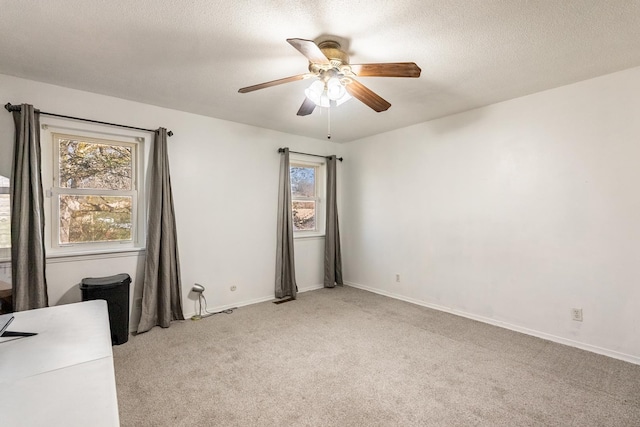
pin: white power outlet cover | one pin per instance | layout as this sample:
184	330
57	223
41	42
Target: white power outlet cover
576	314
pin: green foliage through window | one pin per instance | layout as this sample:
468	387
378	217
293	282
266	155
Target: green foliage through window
86	219
90	165
303	193
5	214
95	190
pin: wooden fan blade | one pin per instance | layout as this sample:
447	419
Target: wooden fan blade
391	69
310	50
367	96
307	107
274	83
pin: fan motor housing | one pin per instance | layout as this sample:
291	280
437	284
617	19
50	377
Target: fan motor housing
334	53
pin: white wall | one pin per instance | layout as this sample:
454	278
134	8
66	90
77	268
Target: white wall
511	214
224	177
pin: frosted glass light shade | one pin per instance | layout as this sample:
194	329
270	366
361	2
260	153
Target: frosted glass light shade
322	94
335	90
344	98
314	92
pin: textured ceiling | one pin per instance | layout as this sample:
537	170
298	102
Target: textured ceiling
194	55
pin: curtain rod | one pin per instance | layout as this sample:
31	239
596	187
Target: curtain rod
281	150
11	108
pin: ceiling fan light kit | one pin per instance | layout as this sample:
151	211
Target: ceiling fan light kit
335	89
316	93
327	94
336	79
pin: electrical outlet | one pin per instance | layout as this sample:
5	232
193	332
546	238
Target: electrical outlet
576	314
233	288
397	277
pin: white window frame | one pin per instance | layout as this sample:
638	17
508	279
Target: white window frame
139	141
5	253
321	188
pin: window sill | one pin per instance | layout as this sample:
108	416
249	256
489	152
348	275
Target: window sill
308	236
56	257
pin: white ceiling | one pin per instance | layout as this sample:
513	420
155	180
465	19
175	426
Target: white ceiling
194	55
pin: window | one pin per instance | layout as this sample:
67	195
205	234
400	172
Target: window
306	191
94	192
5	219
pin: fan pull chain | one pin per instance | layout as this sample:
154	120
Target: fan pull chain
329	122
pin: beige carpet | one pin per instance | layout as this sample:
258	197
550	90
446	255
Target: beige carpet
347	357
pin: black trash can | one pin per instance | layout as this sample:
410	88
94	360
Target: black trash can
115	290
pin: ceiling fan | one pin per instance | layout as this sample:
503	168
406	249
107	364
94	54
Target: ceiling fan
336	81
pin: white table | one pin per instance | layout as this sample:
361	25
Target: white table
63	376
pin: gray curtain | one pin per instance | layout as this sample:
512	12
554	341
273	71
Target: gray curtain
285	263
161	292
332	255
28	259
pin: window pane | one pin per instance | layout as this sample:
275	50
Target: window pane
303	181
304	215
86	219
91	165
5	222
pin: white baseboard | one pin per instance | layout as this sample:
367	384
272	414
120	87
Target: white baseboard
301	289
583	346
310	288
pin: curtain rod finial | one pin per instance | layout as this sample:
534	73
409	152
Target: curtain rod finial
170	133
7	106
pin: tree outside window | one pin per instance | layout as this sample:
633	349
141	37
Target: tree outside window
304	197
94	189
5	218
